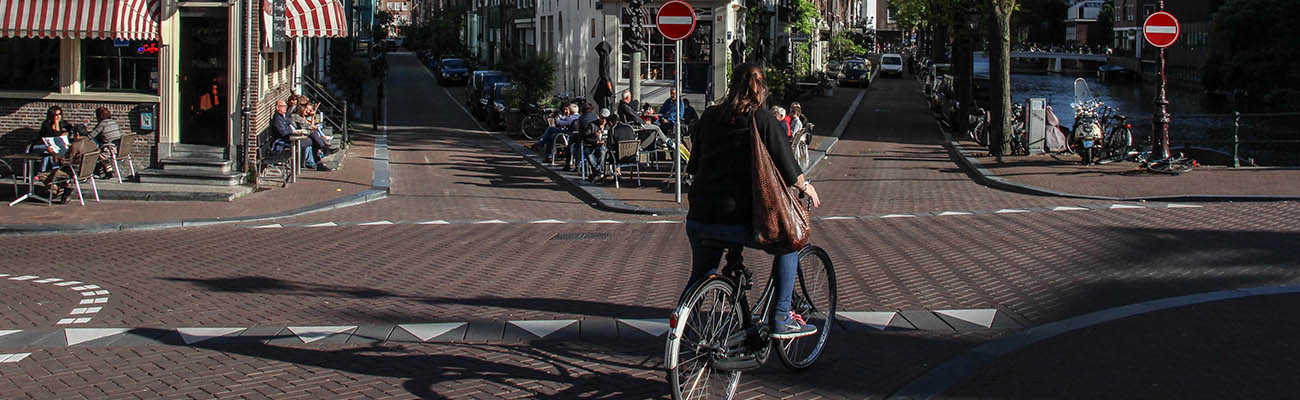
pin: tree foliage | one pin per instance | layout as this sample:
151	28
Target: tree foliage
381	23
1260	43
846	46
534	77
804	17
438	34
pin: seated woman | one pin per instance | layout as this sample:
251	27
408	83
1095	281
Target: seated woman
108	135
796	118
79	146
318	149
568	115
53	127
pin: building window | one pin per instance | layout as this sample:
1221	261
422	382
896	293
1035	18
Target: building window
29	64
126	66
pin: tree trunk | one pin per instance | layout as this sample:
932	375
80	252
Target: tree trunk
963	68
1000	76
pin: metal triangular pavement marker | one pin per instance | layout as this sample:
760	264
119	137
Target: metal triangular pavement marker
195	335
320	225
542	329
83	335
981	317
948	213
310	334
547	221
3	333
1069	208
435	222
1010	211
1176	205
491	221
1117	206
875	319
375	223
898	216
652	327
424	332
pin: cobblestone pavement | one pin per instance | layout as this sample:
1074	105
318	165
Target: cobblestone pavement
907	233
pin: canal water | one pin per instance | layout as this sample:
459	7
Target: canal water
1196	117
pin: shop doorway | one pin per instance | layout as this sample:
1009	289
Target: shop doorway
205	56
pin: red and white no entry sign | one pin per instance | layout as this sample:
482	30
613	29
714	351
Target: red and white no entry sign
1161	29
676	19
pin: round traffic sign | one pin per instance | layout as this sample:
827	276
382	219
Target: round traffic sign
1161	29
676	19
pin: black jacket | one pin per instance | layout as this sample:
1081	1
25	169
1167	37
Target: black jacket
628	114
722	165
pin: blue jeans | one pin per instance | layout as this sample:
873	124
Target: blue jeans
548	139
706	260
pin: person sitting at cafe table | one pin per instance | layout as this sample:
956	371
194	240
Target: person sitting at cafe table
627	114
318	148
668	111
79	146
54	126
282	128
108	134
546	144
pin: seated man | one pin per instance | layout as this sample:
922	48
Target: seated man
668	115
594	140
283	130
582	128
628	115
568	115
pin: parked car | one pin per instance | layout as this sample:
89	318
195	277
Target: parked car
452	70
891	64
855	72
494	104
474	89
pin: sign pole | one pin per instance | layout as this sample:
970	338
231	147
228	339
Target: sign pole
677	125
1161	29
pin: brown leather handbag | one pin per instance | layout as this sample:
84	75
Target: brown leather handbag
781	223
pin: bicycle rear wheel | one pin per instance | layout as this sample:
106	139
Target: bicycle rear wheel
815	298
801	150
532	126
697	337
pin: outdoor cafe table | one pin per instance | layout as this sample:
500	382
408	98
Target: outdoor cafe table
296	154
30	173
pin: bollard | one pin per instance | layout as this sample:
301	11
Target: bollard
1236	126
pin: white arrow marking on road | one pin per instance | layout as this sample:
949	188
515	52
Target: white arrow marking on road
310	334
376	223
548	221
542	329
981	317
875	319
83	335
435	222
1162	29
1068	208
1176	205
1009	211
424	332
1117	206
13	358
195	335
652	327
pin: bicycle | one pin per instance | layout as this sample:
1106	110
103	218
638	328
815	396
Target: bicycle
799	144
714	330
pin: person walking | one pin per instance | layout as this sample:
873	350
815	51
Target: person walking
721	194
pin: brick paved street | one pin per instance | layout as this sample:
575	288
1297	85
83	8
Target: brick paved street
908	232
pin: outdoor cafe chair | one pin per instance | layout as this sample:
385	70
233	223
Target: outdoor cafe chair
125	153
81	172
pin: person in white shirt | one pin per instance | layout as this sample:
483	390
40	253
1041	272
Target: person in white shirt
568	115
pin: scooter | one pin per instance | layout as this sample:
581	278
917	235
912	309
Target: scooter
1086	135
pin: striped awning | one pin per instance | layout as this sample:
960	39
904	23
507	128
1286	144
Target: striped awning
315	18
80	19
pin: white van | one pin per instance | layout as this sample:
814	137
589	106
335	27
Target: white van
891	64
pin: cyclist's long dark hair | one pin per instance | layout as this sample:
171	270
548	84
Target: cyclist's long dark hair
746	93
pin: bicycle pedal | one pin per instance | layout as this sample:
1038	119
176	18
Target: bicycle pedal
744	362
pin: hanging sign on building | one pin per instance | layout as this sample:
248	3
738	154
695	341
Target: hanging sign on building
273	24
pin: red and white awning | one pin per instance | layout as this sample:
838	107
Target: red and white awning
315	18
80	19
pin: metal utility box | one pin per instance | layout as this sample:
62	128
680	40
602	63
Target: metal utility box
1037	125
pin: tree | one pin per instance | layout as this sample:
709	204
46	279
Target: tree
1258	43
1000	76
1104	30
534	76
382	20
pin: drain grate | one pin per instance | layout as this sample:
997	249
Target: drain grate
581	236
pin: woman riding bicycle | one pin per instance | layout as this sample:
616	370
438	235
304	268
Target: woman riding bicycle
721	195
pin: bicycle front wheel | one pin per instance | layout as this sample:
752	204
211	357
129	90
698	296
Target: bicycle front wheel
698	336
815	298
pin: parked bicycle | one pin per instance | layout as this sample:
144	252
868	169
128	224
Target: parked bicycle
714	334
799	143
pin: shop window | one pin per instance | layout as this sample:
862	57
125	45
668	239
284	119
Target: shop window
119	66
658	63
29	64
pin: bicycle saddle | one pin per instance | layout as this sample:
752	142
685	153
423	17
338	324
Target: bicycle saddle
718	244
